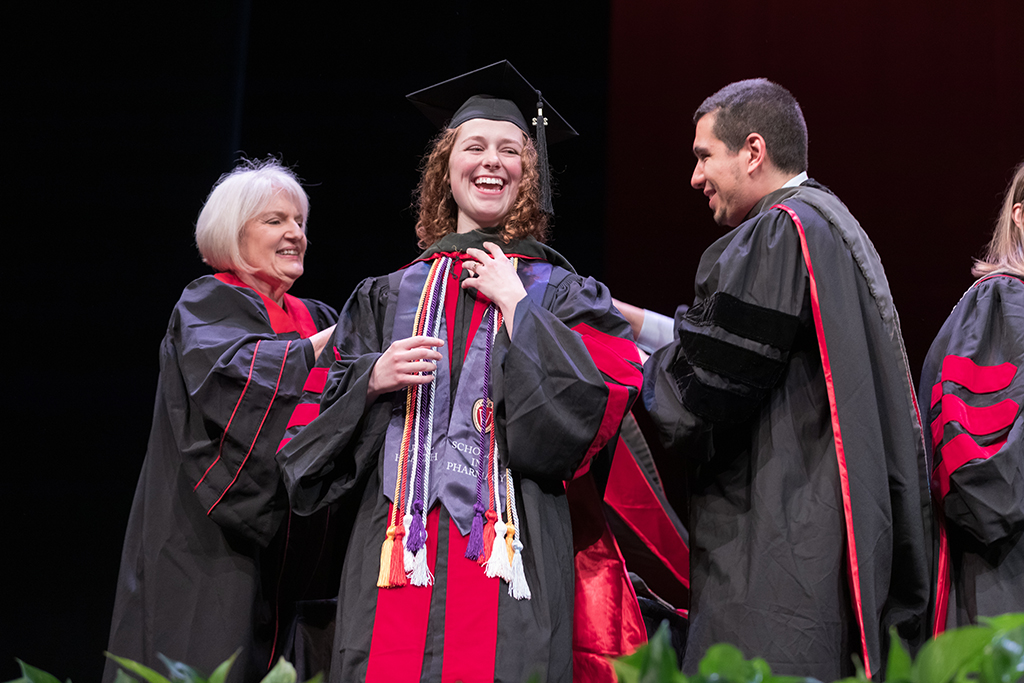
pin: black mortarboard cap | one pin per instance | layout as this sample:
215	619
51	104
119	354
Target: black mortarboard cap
499	93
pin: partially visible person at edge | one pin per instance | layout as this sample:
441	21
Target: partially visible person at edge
208	564
972	389
490	360
786	389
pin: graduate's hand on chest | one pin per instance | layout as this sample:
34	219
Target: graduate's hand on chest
495	277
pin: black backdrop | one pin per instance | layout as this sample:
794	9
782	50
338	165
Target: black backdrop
118	120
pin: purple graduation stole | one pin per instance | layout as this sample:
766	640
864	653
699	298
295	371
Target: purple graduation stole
435	454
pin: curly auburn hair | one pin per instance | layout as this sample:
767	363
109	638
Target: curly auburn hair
438	212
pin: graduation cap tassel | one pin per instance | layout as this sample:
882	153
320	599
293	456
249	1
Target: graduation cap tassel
542	158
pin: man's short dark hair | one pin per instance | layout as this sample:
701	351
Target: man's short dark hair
759	106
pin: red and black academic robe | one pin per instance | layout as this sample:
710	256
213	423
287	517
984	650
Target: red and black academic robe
789	395
973	386
202	569
561	387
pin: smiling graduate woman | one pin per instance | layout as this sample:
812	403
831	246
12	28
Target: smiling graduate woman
209	564
462	393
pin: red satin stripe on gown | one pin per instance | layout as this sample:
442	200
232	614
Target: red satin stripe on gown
471	616
607	619
400	623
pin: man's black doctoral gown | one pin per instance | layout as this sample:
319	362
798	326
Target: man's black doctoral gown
789	395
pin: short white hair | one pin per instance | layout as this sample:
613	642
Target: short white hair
237	198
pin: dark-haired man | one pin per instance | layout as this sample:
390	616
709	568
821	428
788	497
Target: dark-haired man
786	388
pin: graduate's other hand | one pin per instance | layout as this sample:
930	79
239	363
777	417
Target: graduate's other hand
406	362
495	277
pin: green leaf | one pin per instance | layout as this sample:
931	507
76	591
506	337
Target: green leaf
220	674
899	666
944	657
628	667
724	662
1004	657
122	677
654	662
320	677
283	672
661	664
33	675
144	671
1004	622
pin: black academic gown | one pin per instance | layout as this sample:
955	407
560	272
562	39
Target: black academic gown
556	402
972	385
788	393
203	570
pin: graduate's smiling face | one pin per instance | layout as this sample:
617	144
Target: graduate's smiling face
721	175
273	244
484	170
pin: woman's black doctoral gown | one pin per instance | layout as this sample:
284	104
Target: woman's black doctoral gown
972	388
203	569
560	389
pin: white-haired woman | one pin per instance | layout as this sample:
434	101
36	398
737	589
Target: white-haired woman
972	390
208	562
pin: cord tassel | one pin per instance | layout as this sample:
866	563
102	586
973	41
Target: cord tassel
420	574
386	550
491	518
475	545
518	587
499	563
417	537
396	574
510	535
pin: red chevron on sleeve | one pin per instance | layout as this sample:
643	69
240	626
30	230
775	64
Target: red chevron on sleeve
973	420
977	379
305	413
316	381
960	450
977	420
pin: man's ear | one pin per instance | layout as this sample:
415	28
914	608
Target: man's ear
757	152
